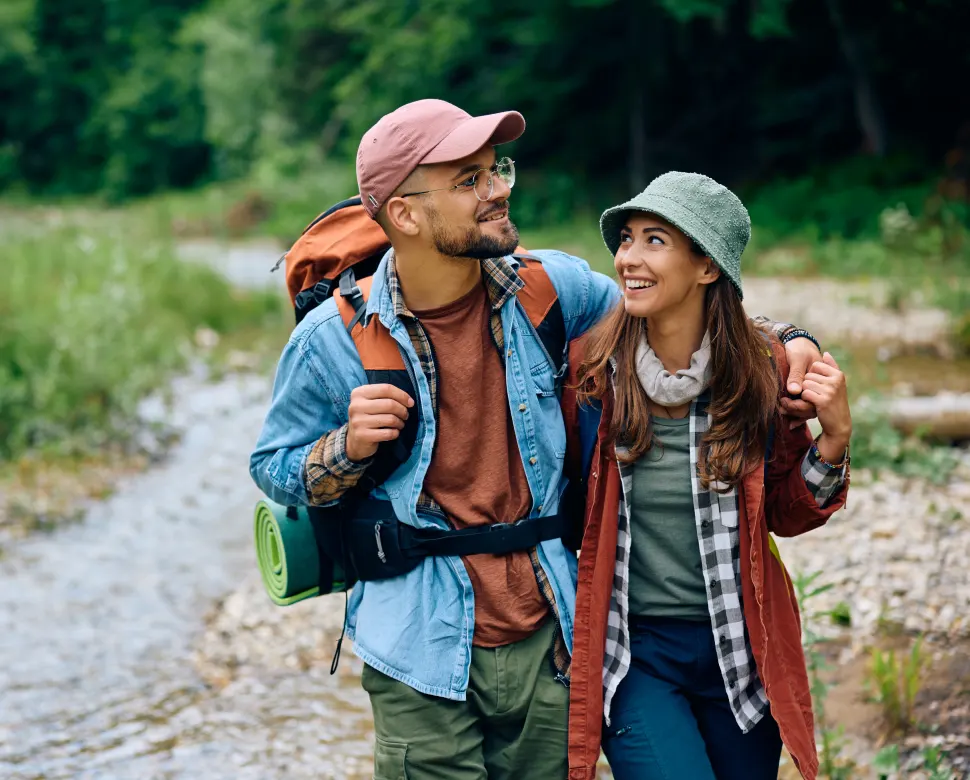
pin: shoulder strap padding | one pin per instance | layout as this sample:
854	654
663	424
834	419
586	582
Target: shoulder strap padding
377	348
338	239
539	295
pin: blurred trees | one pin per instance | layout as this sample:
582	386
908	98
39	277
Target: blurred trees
129	96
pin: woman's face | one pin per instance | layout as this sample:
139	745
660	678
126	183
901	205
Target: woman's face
658	270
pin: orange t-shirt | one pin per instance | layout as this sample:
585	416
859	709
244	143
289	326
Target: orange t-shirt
476	474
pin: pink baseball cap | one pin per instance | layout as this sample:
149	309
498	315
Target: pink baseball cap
420	133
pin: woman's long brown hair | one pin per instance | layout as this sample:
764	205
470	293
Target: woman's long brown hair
744	386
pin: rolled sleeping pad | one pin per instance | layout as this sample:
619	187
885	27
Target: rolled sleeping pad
286	552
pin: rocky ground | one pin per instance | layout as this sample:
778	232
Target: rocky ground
266	706
898	557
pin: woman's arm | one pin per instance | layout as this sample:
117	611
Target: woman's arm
807	483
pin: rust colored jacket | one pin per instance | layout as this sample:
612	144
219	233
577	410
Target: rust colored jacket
769	603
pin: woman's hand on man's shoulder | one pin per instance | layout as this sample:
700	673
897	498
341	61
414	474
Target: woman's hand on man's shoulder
825	387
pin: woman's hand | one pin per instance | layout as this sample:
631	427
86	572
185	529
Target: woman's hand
824	386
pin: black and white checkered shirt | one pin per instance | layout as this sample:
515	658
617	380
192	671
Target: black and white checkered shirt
716	516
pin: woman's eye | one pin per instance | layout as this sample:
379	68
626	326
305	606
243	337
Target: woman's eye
625	239
655	240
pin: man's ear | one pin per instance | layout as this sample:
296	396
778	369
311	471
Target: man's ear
398	216
711	272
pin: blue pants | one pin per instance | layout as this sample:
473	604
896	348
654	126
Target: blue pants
670	718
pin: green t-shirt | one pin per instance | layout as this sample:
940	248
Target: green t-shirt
666	578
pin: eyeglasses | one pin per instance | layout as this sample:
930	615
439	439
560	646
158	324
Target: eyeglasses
481	182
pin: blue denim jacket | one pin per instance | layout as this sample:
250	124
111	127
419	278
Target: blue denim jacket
417	628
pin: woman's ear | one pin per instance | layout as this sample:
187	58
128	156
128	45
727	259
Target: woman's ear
711	272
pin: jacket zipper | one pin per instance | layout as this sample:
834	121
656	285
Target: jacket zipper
380	546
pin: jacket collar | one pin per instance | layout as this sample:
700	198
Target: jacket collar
387	299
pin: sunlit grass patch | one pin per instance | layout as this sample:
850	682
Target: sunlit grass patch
93	316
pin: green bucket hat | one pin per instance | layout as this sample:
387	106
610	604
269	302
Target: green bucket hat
704	210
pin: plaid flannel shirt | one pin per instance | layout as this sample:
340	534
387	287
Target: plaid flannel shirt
330	473
716	516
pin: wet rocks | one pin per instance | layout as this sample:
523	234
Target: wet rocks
248	635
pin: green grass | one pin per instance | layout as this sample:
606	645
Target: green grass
895	681
265	206
95	313
95	310
580	237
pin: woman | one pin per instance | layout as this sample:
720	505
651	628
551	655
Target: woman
687	654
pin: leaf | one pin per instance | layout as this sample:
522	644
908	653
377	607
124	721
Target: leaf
886	761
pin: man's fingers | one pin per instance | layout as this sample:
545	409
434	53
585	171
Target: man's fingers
795	377
382	421
381	406
376	435
801	354
385	391
799	409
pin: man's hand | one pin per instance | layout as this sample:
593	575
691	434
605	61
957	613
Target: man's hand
801	354
824	386
377	413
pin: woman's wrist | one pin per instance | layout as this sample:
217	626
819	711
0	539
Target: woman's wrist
832	449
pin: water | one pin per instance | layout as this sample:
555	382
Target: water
101	622
98	623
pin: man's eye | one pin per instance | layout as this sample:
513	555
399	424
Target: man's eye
469	182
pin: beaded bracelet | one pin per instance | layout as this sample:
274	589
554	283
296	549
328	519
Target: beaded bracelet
818	455
798	333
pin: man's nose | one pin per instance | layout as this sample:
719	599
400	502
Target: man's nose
500	190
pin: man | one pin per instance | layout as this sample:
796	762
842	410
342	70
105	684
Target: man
466	660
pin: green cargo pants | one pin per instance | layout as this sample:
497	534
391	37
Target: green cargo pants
512	726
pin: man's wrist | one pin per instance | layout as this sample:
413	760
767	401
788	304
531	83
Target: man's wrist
341	459
793	333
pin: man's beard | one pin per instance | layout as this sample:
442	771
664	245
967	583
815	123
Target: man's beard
471	242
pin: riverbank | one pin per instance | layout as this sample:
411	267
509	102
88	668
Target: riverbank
99	312
99	618
898	558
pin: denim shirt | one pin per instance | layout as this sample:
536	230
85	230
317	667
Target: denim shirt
417	628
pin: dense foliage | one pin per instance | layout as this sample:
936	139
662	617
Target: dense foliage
125	97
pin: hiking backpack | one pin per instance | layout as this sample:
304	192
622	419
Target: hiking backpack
360	538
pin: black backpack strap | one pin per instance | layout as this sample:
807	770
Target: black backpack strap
381	546
552	334
351	292
494	539
383	363
551	329
391	454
